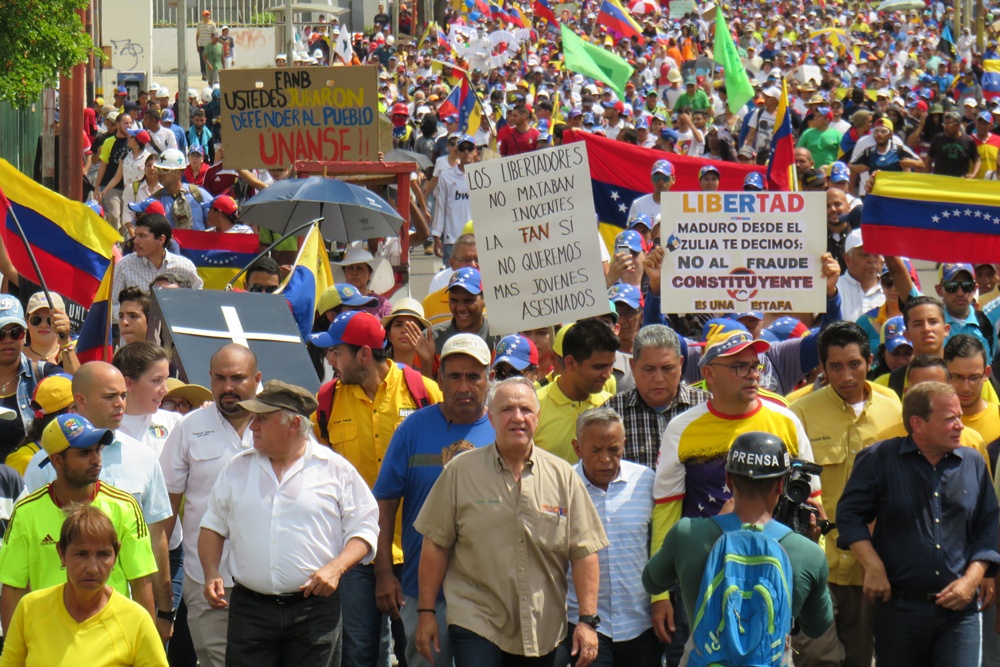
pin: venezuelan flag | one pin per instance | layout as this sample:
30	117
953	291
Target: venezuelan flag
73	245
463	102
937	218
543	10
307	281
991	79
217	256
95	343
518	17
616	18
781	165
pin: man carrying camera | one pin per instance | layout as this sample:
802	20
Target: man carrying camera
841	419
756	467
937	523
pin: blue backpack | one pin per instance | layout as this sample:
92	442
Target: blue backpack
744	608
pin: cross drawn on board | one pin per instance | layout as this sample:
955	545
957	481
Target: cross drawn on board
234	331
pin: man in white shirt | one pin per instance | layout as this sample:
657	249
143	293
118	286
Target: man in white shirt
297	517
192	458
859	286
163	138
663	178
452	193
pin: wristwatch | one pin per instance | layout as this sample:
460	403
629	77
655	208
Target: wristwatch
167	614
593	620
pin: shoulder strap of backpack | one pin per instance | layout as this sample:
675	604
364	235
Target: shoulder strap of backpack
776	530
415	384
729	523
195	192
325	408
986	329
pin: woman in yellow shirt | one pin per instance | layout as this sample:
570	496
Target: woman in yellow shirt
84	621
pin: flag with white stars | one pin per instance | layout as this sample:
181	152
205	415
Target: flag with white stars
935	218
217	256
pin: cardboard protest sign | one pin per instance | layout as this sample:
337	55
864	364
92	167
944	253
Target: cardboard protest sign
537	239
739	251
680	8
275	116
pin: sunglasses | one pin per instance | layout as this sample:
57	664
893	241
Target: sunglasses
260	289
36	320
466	149
967	286
14	333
886	281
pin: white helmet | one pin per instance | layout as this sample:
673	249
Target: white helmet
162	92
192	93
171	159
206	95
390	40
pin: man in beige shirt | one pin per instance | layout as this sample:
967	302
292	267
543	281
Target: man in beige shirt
500	527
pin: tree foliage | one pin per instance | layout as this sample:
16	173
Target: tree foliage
38	39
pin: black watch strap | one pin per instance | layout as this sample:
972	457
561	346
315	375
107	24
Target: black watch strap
167	614
593	620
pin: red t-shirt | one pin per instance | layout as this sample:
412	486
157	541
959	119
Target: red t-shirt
513	142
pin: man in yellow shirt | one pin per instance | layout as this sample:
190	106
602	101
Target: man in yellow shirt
369	400
588	355
841	419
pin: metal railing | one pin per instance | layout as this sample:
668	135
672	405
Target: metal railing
19	132
224	12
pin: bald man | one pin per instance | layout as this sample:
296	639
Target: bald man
192	458
99	394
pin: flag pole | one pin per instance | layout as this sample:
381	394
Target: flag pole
31	256
110	316
266	250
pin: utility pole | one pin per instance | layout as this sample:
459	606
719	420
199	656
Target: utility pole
183	108
290	28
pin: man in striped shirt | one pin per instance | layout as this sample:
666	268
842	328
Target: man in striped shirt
203	37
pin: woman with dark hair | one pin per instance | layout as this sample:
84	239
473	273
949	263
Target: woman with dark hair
84	621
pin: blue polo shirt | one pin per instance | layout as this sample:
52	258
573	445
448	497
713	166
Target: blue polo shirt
413	462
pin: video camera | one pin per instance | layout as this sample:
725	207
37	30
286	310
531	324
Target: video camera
793	510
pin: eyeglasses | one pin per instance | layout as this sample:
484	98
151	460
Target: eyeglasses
886	280
180	405
261	289
742	370
967	286
36	320
467	149
14	333
506	371
972	379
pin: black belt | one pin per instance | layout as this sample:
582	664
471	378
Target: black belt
282	599
913	596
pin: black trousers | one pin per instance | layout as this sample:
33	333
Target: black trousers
201	61
289	632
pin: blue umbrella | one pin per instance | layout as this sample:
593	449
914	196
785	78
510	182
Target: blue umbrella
346	212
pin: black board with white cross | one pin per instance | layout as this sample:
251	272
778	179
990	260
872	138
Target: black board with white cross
196	323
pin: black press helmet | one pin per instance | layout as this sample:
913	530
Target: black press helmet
758	455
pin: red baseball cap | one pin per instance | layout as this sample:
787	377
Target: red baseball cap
354	328
147	206
226	204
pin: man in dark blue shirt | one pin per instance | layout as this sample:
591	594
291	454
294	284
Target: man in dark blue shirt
937	523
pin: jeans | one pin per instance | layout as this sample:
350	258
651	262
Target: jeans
674	651
366	629
268	633
446	250
411	619
472	650
642	651
923	634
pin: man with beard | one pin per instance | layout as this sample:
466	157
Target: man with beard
885	155
192	458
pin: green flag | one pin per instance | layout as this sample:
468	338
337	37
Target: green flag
595	62
738	88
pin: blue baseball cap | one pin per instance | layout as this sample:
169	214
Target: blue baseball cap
343	294
11	311
894	334
466	139
642	123
574	113
149	205
784	328
708	169
167	115
664	167
468	278
727	338
516	350
949	271
669	134
121	90
354	328
95	207
630	238
640	219
588	118
755	314
839	173
73	430
627	294
985	116
753	181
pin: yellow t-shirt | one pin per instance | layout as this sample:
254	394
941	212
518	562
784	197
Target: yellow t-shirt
557	419
986	423
989	394
43	634
21	457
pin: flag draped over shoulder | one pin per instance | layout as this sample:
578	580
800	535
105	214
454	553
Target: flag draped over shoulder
739	90
73	245
307	281
781	173
217	256
595	62
936	218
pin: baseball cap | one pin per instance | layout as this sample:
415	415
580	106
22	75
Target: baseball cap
278	395
669	134
985	116
121	90
640	219
630	238
148	206
853	241
11	311
784	328
167	115
466	139
72	430
630	295
470	344
755	314
52	394
747	152
38	301
343	294
729	338
141	135
894	334
772	91
813	177
467	278
970	102
839	173
947	272
226	204
884	122
664	167
708	169
354	328
516	350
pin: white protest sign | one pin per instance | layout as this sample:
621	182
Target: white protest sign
536	234
680	8
740	251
